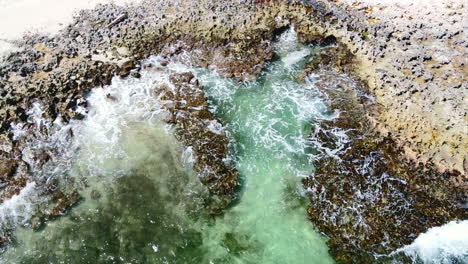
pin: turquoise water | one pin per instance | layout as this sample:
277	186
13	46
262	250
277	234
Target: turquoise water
269	121
142	202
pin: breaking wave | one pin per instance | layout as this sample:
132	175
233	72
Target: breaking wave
446	244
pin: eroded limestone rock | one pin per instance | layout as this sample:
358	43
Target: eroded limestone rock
368	198
199	130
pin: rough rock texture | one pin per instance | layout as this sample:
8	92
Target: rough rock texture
198	129
365	196
401	165
54	72
413	56
413	61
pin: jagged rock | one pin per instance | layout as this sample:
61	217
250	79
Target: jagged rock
59	70
368	198
126	68
7	170
401	39
189	113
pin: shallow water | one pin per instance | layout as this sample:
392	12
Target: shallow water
143	204
269	122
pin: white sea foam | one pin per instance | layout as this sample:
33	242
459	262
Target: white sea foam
188	156
268	120
112	109
116	107
445	244
35	115
291	53
287	42
295	57
216	127
18	209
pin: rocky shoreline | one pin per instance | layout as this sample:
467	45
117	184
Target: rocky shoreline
412	55
418	108
366	196
404	147
199	130
56	72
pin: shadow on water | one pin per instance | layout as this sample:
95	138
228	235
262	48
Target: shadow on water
148	208
129	224
145	215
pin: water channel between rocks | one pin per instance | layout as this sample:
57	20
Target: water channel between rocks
142	202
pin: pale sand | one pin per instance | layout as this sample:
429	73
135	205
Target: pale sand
19	17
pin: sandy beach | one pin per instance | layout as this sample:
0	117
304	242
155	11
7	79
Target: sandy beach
376	101
40	16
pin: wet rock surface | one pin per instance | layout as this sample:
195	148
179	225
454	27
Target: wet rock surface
203	134
53	74
412	55
415	71
364	194
57	71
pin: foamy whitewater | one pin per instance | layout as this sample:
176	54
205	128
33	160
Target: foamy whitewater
19	209
142	203
446	244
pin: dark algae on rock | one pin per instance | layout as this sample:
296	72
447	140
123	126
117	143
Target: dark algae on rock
198	129
411	54
364	195
58	71
386	169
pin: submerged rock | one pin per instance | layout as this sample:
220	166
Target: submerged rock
367	197
364	195
195	125
58	71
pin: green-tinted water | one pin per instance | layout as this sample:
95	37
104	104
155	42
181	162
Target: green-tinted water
269	121
144	205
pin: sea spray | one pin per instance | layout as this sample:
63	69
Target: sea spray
142	202
20	208
138	195
445	244
269	122
63	143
